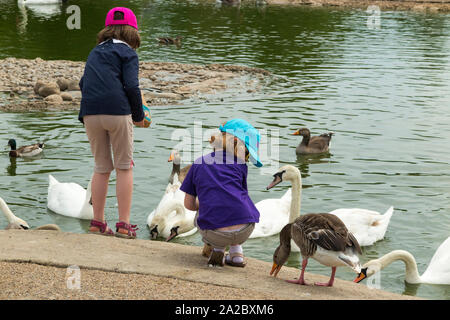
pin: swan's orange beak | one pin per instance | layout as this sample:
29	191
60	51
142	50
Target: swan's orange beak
359	278
171	157
275	268
296	133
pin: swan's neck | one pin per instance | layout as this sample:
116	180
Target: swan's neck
7	212
294	211
411	272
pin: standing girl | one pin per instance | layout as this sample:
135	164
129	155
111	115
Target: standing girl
111	102
216	186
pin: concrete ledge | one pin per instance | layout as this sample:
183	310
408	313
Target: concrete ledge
169	260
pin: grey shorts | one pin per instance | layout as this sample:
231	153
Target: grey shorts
222	239
106	132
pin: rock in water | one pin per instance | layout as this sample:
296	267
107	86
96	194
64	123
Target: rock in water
38	85
62	83
54	98
66	96
73	85
49	88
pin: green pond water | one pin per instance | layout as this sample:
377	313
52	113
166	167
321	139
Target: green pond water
385	92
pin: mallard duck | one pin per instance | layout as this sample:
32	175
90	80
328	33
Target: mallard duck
437	272
25	151
167	40
323	237
311	145
175	158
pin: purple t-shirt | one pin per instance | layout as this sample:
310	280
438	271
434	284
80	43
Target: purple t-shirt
220	182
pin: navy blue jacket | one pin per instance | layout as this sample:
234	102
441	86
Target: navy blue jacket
110	83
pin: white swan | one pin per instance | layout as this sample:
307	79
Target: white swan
171	213
14	222
274	214
172	220
367	226
69	199
437	272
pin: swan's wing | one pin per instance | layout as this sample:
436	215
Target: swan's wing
438	271
366	225
150	217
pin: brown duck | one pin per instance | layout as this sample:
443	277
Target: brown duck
323	237
311	145
167	40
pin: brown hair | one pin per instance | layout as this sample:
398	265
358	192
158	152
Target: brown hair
122	32
231	142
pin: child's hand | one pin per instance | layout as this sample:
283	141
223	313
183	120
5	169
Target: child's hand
140	124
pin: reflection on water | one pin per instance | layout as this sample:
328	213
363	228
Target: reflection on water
384	92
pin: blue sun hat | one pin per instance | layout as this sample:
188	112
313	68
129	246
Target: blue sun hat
245	132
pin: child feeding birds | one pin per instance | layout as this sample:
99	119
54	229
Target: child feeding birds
216	186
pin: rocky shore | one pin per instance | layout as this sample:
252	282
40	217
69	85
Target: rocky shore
415	5
53	85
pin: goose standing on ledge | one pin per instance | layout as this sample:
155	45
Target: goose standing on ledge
25	151
176	168
323	237
312	145
437	272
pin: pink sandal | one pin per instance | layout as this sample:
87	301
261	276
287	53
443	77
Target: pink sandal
130	227
103	228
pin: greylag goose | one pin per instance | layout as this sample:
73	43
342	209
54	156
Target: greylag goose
176	168
323	237
25	151
311	145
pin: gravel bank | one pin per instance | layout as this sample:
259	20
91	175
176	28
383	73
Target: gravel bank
162	82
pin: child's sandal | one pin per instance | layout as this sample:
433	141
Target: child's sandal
131	230
229	260
102	228
216	258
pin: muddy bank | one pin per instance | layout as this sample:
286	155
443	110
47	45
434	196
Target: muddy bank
34	266
53	85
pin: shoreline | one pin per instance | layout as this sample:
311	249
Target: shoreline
34	265
411	5
163	83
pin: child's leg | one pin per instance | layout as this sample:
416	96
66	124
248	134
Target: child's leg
124	192
99	191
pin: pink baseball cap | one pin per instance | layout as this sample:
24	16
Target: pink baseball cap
128	17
